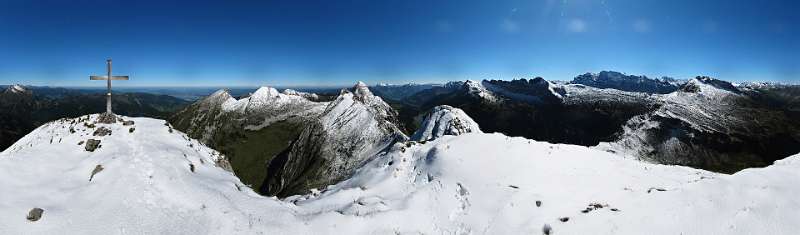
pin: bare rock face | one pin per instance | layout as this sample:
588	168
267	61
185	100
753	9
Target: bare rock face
102	131
92	144
35	214
445	120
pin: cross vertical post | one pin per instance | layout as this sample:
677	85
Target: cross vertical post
108	93
108	116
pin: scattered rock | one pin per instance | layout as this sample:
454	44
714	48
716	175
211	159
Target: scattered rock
88	125
92	144
102	131
538	203
597	205
191	167
127	123
131	130
71	130
80	143
657	189
513	186
563	219
546	230
170	130
614	209
96	170
107	118
35	214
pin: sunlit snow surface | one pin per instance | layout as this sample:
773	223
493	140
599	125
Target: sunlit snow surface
472	183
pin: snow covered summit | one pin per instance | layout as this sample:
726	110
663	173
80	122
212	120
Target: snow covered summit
16	89
144	178
445	120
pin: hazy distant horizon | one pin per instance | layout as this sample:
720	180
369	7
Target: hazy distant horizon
323	85
212	43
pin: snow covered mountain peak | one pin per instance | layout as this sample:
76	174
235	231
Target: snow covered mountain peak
445	120
310	96
263	107
219	95
709	86
266	93
477	89
352	129
16	89
361	90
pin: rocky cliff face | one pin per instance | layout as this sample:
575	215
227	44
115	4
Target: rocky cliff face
352	129
535	91
445	120
620	81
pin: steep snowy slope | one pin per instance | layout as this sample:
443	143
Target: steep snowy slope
493	184
709	124
445	120
153	181
352	129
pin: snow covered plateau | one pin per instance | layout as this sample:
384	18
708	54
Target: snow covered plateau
147	178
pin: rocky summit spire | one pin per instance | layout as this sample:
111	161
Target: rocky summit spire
361	90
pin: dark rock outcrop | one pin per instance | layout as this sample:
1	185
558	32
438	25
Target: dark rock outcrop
92	144
623	82
35	214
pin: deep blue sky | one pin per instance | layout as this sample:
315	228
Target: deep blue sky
245	43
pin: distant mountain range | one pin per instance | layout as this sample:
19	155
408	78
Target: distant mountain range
285	148
288	142
701	122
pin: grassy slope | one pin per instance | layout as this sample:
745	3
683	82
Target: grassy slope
249	155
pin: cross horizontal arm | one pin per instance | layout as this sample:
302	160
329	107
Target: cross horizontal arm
106	78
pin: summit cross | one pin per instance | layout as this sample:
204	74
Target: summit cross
108	116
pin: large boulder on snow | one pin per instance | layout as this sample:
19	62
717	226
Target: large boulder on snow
445	120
